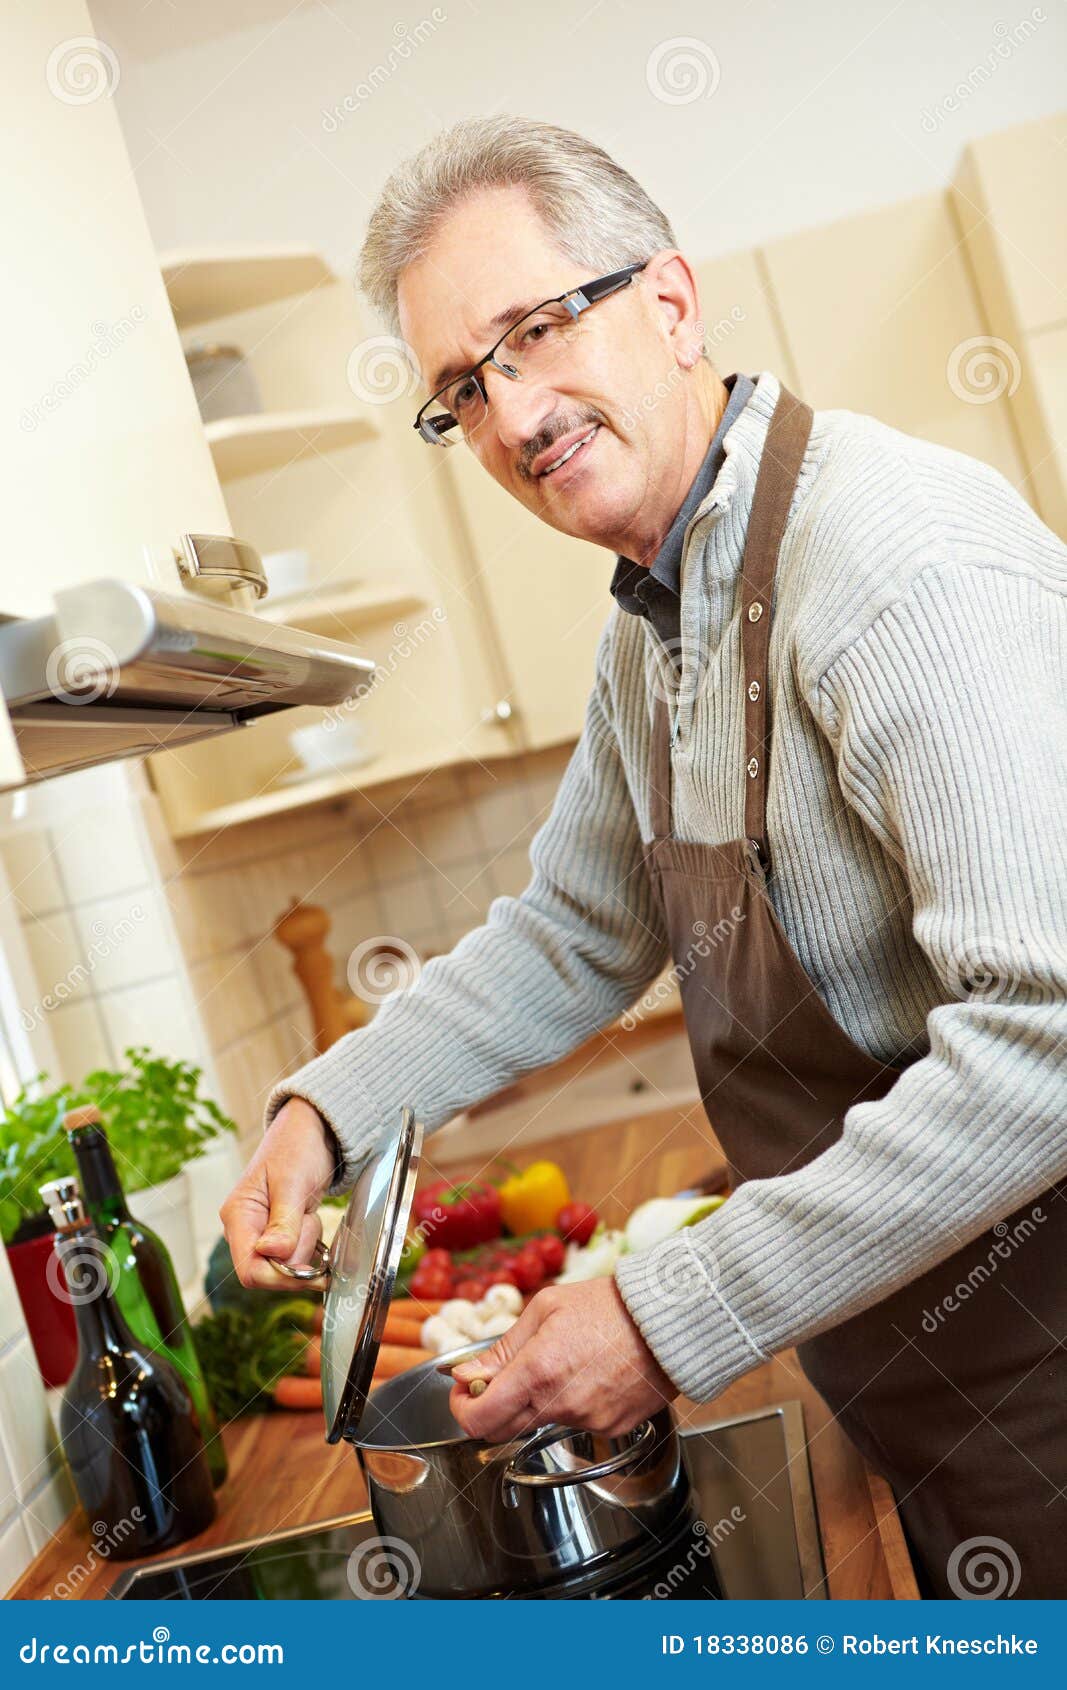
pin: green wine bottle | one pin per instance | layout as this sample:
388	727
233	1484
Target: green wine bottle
146	1288
126	1420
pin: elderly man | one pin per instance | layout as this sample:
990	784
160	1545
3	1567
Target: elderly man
828	725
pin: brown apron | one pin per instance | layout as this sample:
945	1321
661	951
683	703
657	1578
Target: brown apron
960	1404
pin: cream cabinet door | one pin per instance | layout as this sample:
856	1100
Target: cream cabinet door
105	459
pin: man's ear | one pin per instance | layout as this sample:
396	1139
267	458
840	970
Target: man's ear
672	289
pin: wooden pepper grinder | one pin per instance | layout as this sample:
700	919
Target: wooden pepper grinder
302	930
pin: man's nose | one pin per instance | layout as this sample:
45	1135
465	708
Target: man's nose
517	409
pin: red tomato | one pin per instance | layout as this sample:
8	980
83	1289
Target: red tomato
437	1258
528	1269
504	1275
552	1252
577	1222
473	1287
431	1281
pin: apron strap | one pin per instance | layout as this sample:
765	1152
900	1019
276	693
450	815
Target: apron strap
779	466
659	771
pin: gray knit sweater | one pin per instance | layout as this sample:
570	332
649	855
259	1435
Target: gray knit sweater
917	817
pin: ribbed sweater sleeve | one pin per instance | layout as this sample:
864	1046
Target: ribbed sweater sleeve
546	970
948	721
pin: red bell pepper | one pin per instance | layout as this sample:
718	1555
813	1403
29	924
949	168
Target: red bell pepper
457	1217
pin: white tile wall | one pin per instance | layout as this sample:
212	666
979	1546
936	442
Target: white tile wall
36	1493
87	895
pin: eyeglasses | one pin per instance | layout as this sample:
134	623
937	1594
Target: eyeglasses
538	343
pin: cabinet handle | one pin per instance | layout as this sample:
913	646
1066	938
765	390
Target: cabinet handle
499	714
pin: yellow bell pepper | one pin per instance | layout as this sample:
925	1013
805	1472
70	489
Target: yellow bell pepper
531	1200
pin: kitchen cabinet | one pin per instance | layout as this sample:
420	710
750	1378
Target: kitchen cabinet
331	466
878	309
106	463
1008	197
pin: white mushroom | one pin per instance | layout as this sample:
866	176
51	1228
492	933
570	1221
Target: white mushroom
497	1323
440	1336
505	1299
462	1315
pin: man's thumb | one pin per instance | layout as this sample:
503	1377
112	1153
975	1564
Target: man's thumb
282	1231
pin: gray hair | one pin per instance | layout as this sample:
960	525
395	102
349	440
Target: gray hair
594	211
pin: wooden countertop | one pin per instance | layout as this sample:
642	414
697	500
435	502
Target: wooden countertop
283	1474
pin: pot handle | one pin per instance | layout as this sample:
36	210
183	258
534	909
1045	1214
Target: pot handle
514	1474
317	1268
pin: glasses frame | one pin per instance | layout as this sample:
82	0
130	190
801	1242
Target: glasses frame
575	300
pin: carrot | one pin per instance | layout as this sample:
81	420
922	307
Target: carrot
417	1307
397	1358
291	1391
402	1329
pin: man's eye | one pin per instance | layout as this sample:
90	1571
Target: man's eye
535	333
463	395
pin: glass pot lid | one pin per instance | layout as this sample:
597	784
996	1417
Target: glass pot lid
361	1269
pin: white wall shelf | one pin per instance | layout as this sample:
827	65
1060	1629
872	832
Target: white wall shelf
273	439
343	609
203	285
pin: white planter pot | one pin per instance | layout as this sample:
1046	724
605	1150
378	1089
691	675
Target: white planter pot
167	1210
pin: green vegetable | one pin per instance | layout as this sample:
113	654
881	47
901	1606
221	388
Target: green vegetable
224	1290
153	1113
243	1352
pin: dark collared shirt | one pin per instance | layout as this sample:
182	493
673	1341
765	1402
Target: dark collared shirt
656	591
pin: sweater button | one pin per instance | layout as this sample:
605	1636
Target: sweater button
753	767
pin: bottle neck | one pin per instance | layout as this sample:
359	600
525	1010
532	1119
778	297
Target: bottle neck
101	1186
101	1325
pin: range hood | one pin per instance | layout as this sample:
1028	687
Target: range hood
120	670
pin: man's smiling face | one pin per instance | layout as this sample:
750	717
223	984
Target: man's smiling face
492	253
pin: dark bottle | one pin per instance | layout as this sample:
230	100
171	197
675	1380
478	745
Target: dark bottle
127	1421
146	1288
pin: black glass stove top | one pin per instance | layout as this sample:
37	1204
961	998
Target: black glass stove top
753	1535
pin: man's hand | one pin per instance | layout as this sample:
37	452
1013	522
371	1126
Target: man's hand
574	1356
267	1214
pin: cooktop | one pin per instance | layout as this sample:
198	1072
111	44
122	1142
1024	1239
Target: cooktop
751	1534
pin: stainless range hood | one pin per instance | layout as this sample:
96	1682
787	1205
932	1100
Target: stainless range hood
119	670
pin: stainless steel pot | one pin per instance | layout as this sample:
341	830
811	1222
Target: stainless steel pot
499	1519
559	1506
